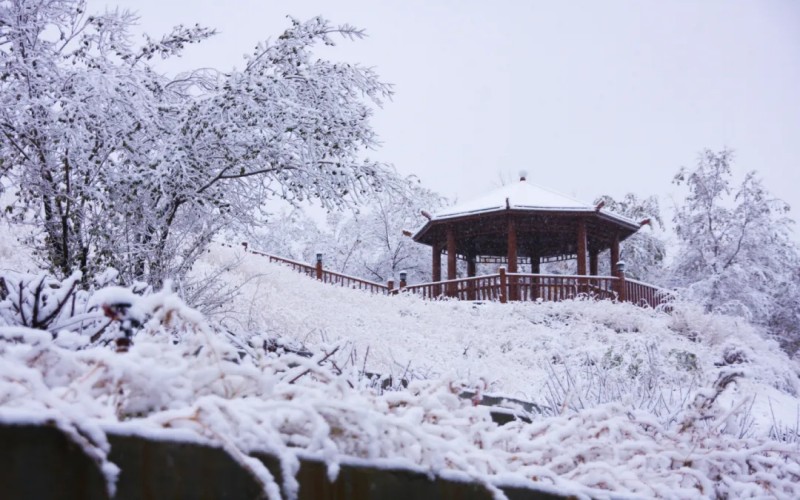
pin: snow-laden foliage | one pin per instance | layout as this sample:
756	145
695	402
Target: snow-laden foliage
185	377
644	252
120	166
735	253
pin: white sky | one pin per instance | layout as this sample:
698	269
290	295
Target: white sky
590	98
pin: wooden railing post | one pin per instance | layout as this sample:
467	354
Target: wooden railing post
319	266
622	288
390	286
403	276
503	286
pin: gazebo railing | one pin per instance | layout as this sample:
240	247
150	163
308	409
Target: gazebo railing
505	287
552	287
518	286
486	287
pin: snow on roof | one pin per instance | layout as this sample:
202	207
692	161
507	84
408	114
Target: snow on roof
521	195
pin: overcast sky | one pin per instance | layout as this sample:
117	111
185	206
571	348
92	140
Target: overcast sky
590	98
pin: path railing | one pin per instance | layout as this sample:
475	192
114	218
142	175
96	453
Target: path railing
327	276
644	294
501	287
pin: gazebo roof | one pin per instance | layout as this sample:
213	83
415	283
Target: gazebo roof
545	221
525	196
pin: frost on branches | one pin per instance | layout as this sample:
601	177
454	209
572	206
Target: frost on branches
736	255
369	243
121	166
184	375
644	252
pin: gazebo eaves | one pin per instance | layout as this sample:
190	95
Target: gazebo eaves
611	217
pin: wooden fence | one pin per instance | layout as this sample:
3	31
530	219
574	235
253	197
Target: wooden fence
326	276
522	287
644	294
501	287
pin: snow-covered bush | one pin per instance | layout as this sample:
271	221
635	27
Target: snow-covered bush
183	375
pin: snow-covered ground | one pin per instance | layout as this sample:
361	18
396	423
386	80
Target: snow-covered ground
635	402
518	349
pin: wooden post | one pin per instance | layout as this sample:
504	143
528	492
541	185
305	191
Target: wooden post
512	246
593	262
614	254
512	258
390	286
535	269
592	267
403	276
451	261
503	287
471	274
582	247
622	289
319	266
436	274
437	268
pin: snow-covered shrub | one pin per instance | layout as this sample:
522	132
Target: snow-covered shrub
43	302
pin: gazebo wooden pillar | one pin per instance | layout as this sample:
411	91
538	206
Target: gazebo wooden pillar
451	260
512	258
593	254
582	247
614	261
535	269
614	254
437	267
471	274
471	265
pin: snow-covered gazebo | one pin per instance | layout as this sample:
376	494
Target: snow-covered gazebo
519	223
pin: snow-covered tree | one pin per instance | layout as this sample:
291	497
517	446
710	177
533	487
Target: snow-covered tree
368	243
643	252
735	251
122	166
385	250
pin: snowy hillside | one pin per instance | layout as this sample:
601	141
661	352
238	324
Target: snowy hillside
609	351
634	402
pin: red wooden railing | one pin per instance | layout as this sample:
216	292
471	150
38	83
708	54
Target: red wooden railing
326	276
300	267
514	286
487	287
644	294
546	287
553	288
500	287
